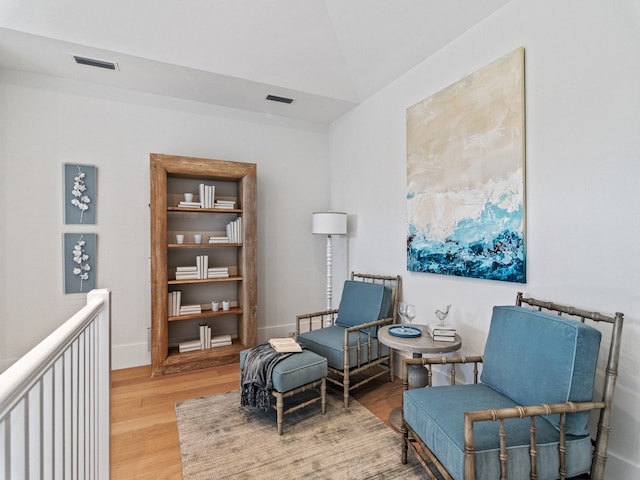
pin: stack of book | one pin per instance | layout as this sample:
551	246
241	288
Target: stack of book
218	272
234	231
189	309
174	303
205	341
189	346
220	341
218	239
442	333
187	273
285	345
207	195
229	204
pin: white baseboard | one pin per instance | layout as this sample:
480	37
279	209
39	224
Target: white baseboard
131	355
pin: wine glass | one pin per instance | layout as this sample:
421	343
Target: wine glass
410	312
402	309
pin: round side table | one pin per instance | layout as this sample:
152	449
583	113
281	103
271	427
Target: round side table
417	346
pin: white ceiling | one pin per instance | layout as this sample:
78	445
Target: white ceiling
329	55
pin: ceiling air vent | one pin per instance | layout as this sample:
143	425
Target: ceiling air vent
276	98
92	62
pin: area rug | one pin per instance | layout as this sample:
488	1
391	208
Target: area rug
221	440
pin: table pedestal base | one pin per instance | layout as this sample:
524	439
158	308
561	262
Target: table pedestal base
418	378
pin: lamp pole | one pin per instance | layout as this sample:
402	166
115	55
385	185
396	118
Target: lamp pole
329	223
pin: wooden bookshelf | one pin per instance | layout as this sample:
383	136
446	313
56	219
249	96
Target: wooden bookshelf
171	176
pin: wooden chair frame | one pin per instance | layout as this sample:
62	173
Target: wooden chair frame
280	396
599	455
327	318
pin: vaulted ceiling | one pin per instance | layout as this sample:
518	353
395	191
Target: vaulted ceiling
328	55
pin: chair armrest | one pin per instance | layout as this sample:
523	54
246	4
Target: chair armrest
315	320
429	361
502	414
364	326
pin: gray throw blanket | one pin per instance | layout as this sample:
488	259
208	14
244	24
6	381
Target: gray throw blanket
255	381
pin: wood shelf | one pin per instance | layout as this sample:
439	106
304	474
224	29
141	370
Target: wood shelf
205	280
203	245
207	314
204	210
171	176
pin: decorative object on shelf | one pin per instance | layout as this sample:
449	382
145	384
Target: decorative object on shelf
465	196
329	223
79	262
179	239
215	306
226	305
79	194
188	197
197	238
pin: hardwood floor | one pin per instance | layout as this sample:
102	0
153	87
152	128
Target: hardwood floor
144	434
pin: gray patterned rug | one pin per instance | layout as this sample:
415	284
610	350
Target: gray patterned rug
221	440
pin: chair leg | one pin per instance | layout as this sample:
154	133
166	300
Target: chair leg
279	410
323	396
346	388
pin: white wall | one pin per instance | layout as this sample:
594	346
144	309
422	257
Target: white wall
46	122
583	168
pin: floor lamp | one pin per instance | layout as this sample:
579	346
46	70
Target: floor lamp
329	223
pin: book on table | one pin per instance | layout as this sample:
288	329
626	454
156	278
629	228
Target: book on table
439	331
285	345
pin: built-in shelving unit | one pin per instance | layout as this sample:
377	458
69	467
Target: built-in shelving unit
171	177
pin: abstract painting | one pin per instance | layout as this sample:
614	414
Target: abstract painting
465	176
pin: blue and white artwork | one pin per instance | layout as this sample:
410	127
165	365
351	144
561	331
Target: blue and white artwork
465	176
80	196
79	262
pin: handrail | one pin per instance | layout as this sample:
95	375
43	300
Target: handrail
87	331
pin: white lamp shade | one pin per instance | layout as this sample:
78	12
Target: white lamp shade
329	223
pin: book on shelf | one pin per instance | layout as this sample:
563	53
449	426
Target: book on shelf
218	272
207	195
190	268
285	345
205	336
218	239
173	306
225	204
220	341
187	275
234	231
202	262
190	309
184	204
189	346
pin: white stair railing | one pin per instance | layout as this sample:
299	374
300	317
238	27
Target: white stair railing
54	401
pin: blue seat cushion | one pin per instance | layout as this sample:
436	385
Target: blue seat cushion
295	370
363	302
329	342
534	357
436	414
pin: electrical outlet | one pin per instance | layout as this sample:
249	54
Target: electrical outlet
292	334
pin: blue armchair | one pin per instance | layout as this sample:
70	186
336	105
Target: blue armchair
529	416
347	336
